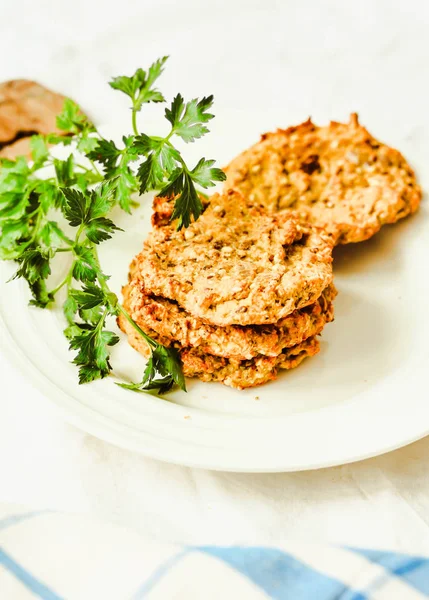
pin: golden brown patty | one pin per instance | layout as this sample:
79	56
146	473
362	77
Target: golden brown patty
173	324
245	373
337	177
234	373
237	264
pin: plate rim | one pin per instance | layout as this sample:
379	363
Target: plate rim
49	389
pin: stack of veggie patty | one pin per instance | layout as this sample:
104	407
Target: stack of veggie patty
240	294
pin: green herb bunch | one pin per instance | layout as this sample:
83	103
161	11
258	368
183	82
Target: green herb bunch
83	191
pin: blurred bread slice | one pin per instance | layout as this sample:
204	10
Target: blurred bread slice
26	108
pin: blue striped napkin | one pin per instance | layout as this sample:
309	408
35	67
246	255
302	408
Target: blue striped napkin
56	556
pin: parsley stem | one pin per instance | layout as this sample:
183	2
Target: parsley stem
23	246
102	320
179	158
96	169
83	167
32	214
101	278
65	281
79	232
134	121
102	281
150	342
35	231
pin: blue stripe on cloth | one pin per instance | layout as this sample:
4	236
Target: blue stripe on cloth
412	569
26	578
15	519
280	575
157	575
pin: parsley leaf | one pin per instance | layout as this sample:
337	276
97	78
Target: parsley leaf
85	267
89	297
70	309
161	162
13	205
139	87
144	144
34	264
34	267
116	166
17	167
188	204
39	149
205	175
53	138
150	174
86	210
87	144
125	187
175	112
107	153
163	166
93	354
175	186
52	236
75	207
165	362
188	119
13	232
41	297
100	229
89	303
129	85
64	170
72	119
49	196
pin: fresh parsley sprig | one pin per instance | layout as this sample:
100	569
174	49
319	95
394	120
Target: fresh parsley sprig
164	168
139	87
43	217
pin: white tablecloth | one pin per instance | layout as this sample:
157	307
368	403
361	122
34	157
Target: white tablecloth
293	58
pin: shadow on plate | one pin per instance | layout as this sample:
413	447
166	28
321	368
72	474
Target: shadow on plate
358	350
382	249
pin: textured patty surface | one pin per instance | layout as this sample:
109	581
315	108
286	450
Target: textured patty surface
246	373
173	324
237	264
234	373
338	177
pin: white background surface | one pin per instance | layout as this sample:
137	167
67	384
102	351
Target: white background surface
291	59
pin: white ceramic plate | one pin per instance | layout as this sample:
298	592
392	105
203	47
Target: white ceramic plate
364	394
